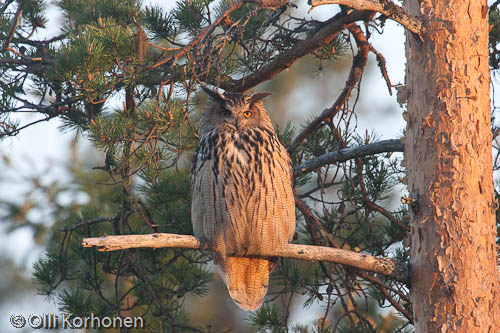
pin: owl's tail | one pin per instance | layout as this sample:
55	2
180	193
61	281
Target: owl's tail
247	280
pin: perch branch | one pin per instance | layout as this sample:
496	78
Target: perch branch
384	7
362	261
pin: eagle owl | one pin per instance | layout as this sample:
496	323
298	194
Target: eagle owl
242	192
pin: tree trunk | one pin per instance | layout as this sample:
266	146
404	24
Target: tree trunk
448	155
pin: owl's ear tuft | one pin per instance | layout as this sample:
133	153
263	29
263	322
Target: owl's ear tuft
258	96
215	95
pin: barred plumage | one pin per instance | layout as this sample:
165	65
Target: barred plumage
242	192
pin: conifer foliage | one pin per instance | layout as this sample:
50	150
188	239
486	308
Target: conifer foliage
127	75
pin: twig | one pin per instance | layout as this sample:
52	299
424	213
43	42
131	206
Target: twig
346	154
494	5
93	221
383	289
314	222
362	261
387	214
18	129
384	7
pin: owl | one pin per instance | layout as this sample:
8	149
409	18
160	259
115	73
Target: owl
243	199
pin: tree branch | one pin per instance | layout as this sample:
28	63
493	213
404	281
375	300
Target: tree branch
362	261
328	31
302	48
384	212
18	129
24	61
346	154
5	5
384	7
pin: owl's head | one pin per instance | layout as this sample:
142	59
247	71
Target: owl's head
233	112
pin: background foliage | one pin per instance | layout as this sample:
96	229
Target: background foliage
126	75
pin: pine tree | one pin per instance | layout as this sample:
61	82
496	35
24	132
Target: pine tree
127	76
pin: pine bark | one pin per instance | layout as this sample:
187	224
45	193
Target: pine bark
448	154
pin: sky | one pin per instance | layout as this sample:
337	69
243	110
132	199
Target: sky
41	148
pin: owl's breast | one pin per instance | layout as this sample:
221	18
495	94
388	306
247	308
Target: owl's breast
240	158
243	185
247	149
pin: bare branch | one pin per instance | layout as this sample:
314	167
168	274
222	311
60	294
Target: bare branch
385	7
383	68
362	261
17	61
346	154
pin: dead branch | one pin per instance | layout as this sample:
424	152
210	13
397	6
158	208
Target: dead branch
362	261
383	68
384	7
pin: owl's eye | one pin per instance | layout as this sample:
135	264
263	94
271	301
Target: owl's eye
226	113
247	114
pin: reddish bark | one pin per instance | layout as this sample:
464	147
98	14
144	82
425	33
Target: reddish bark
448	155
